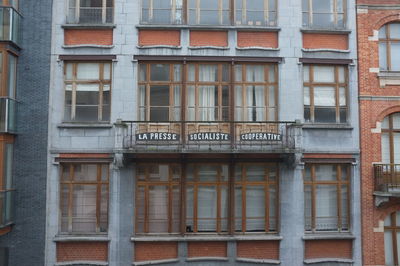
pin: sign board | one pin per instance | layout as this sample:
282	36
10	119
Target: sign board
157	136
209	136
260	136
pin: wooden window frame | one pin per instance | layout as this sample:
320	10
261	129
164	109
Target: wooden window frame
104	8
311	84
313	183
70	182
267	183
183	183
267	85
171	83
390	131
387	41
394	229
74	81
267	20
173	12
335	13
4	74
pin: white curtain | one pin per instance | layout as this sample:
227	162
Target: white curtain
207	73
158	209
255	95
255	208
326	208
207	208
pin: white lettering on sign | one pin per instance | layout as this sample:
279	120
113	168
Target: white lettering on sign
210	136
261	136
157	136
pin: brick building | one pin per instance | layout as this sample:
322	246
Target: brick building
194	132
379	65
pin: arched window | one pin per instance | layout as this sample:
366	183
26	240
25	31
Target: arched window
392	238
391	139
389	47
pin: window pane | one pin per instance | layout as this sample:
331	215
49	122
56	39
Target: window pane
158	173
326	172
176	209
64	198
396	147
85	172
207	208
84	208
208	73
389	248
87	71
238	72
345	207
396	120
326	208
306	73
159	72
273	225
159	95
104	209
255	73
255	208
382	32
307	100
324	74
324	96
394	30
382	56
12	68
255	173
385	147
142	72
8	166
395	56
308	207
238	208
140	203
158	209
207	172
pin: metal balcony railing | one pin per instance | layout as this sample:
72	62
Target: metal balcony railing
8	111
10	21
387	178
200	136
90	15
6	207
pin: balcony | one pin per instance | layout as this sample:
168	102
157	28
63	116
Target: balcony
200	136
90	15
10	24
387	182
8	108
6	207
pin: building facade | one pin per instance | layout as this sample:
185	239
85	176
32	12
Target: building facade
194	132
378	31
25	30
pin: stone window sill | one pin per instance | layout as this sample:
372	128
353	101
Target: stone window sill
89	26
81	238
389	78
152	262
326	31
84	125
207	259
88	46
327	236
149	238
83	262
259	261
326	126
208	27
337	260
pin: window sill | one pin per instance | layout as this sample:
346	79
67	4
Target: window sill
81	262
208	47
257	48
388	78
327	126
179	238
89	26
327	31
207	259
81	238
159	46
88	46
207	27
339	260
259	261
325	236
325	50
152	262
85	125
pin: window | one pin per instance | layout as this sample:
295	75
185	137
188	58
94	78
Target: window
160	92
84	194
210	12
208	92
326	197
87	91
13	3
392	238
324	14
255	12
90	11
390	139
325	94
256	194
205	189
256	92
389	47
6	186
8	71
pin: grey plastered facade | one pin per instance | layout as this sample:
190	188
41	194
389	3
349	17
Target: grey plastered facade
65	138
26	241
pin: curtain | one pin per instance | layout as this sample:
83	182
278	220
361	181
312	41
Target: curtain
207	208
255	95
158	209
207	94
255	208
326	208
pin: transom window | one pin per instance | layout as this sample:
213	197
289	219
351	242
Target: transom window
324	13
325	94
390	139
389	47
207	92
87	91
392	238
90	11
205	189
210	12
84	194
326	197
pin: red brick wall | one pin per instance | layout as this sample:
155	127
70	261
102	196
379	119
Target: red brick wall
92	36
209	38
257	39
207	249
325	41
315	249
258	249
155	251
370	113
159	37
81	251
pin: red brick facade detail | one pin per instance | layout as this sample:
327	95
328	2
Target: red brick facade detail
159	37
325	41
208	38
258	249
371	112
155	251
207	249
315	249
82	251
257	39
92	36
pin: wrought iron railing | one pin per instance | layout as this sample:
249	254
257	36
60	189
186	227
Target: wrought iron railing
90	15
8	110
387	177
10	21
192	136
6	207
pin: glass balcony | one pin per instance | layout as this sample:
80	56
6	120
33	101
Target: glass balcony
10	24
90	15
6	207
387	178
8	111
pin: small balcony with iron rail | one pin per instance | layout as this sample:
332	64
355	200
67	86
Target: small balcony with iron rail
387	182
